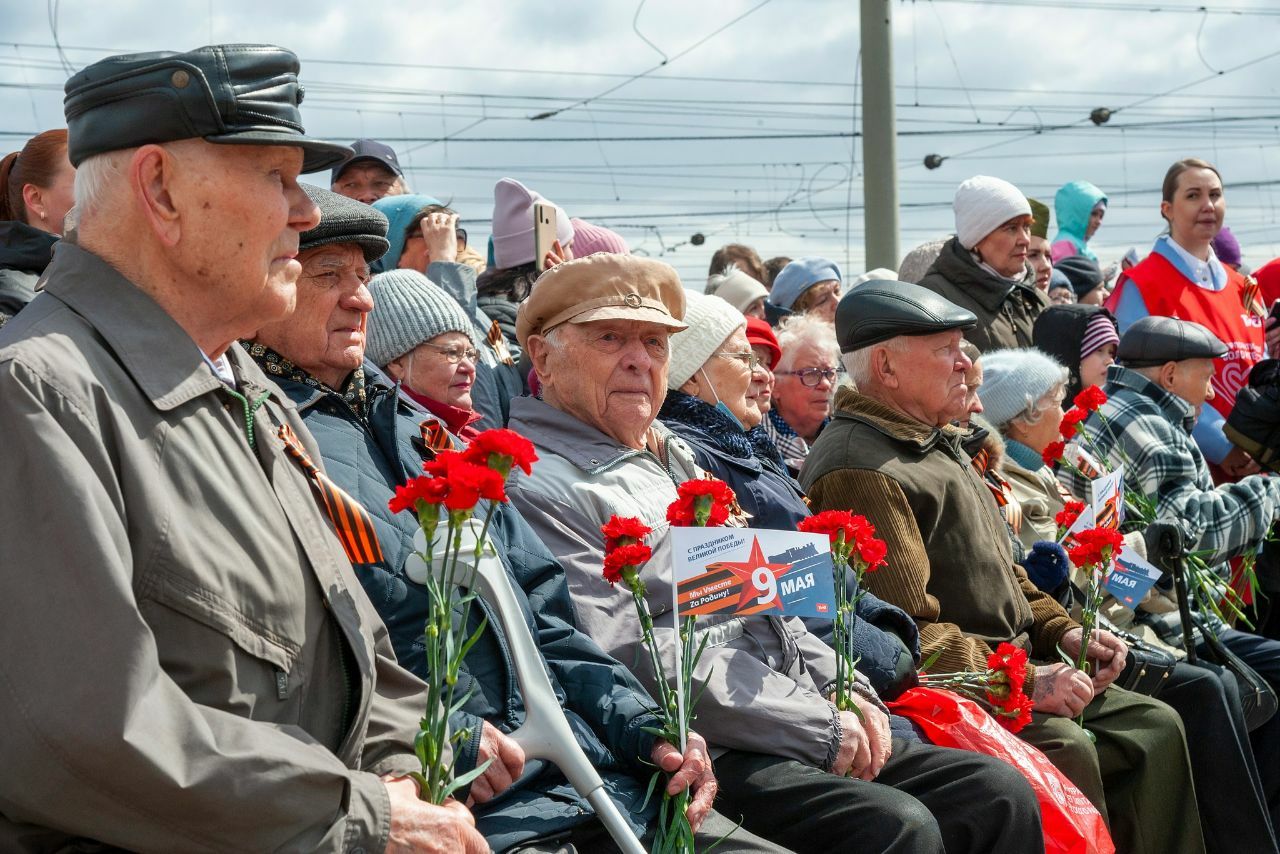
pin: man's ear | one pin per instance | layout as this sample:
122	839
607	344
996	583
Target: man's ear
536	346
883	369
151	181
1168	375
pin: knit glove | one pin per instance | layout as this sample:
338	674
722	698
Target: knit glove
1047	565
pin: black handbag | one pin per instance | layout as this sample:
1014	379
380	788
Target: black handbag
1147	667
1257	698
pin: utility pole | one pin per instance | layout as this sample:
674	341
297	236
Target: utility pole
879	143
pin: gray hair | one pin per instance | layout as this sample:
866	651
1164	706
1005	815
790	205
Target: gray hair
95	177
1036	409
858	362
800	329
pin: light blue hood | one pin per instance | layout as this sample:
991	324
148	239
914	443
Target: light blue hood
399	211
1072	205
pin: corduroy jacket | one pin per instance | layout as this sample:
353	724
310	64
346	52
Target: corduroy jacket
949	565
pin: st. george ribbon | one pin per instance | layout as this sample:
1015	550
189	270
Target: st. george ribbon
545	733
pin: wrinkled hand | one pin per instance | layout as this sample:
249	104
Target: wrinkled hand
1273	337
506	767
866	743
1060	689
440	231
691	771
417	826
1105	649
1239	464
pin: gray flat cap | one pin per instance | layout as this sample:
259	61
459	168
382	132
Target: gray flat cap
344	220
880	309
1156	340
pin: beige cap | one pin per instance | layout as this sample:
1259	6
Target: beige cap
603	287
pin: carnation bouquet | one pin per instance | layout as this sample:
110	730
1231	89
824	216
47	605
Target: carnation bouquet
999	688
1093	552
699	503
453	484
854	545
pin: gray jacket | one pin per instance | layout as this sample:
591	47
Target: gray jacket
191	664
766	678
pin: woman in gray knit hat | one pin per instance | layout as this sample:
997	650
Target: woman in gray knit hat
422	338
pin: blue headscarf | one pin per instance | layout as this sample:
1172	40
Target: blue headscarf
399	211
1072	205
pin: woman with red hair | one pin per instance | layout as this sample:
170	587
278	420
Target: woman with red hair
37	189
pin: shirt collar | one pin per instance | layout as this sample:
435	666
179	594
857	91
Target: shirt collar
1210	275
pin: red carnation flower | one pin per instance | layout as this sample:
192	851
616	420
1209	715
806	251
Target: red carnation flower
1071	422
432	490
623	530
1090	399
1053	453
500	450
1068	515
833	523
873	552
1009	663
624	557
1095	546
1015	713
702	502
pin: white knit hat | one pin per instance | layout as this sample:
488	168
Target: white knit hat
1013	380
736	288
409	308
983	204
711	321
513	223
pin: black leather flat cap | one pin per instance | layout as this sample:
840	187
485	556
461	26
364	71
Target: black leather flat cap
878	310
344	220
239	94
1156	340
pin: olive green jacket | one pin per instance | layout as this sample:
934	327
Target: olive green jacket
190	664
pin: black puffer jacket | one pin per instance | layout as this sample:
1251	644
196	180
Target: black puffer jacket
1006	311
24	253
1059	331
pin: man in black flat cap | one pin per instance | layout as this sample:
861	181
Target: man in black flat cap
192	665
1155	394
890	454
370	173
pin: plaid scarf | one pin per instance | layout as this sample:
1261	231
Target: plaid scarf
789	443
1148	430
353	390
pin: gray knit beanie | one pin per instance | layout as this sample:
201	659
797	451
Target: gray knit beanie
1014	380
408	308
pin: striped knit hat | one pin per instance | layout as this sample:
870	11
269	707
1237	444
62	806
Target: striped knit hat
1098	333
408	308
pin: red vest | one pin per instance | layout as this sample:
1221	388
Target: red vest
1168	293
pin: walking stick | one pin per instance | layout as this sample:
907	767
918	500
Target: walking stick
1164	543
545	733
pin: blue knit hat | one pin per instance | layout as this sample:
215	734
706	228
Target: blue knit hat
1013	380
800	275
399	211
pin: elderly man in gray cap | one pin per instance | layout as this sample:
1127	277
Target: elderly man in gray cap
794	769
890	454
192	664
1155	394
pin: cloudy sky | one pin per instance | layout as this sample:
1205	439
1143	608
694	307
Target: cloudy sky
1002	87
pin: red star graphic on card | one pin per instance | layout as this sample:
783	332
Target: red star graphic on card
747	570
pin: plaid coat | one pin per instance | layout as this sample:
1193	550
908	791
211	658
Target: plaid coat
1148	430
